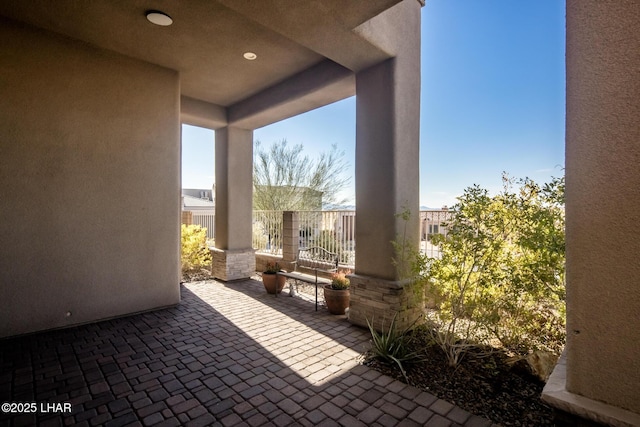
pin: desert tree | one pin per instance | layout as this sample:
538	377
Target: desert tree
284	178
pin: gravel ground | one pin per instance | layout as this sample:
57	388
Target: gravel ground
483	385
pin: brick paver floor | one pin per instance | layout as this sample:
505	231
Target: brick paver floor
229	354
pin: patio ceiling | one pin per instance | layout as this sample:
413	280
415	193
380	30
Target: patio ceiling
208	38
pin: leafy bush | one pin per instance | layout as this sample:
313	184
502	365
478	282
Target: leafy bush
500	276
194	254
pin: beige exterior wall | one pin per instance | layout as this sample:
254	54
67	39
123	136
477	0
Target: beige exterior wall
603	201
90	183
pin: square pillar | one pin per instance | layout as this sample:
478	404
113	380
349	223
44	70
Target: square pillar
290	236
599	378
387	161
233	257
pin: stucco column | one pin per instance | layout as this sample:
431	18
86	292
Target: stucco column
387	169
599	377
233	256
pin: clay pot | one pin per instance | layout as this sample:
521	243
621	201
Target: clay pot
337	300
273	282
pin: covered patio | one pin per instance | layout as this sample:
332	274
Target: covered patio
228	354
93	97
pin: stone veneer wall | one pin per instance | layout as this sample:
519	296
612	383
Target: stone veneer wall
187	218
379	300
290	236
232	264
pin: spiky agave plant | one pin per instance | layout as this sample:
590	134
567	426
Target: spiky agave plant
392	346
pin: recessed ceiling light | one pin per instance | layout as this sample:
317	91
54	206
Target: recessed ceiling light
159	18
250	56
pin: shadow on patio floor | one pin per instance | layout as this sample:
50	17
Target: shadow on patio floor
228	354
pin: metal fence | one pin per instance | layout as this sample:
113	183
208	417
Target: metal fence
335	231
205	220
332	230
432	222
267	232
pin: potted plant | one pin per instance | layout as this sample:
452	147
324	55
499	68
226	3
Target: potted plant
336	294
271	280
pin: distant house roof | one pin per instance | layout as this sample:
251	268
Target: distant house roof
195	203
200	193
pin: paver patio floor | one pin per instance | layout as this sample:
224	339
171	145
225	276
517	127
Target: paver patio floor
229	354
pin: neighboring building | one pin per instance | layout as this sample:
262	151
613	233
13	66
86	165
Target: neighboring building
433	221
198	207
196	199
195	204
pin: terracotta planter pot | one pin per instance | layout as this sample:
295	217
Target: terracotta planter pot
337	300
273	282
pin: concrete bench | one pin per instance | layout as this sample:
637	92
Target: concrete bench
313	265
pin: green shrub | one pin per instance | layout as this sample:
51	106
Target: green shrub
500	275
194	254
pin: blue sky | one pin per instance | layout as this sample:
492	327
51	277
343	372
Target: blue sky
493	100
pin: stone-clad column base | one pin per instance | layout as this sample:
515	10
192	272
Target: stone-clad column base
578	411
232	264
378	301
290	236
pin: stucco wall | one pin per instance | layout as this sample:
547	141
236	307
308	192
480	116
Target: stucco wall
388	142
89	183
603	201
